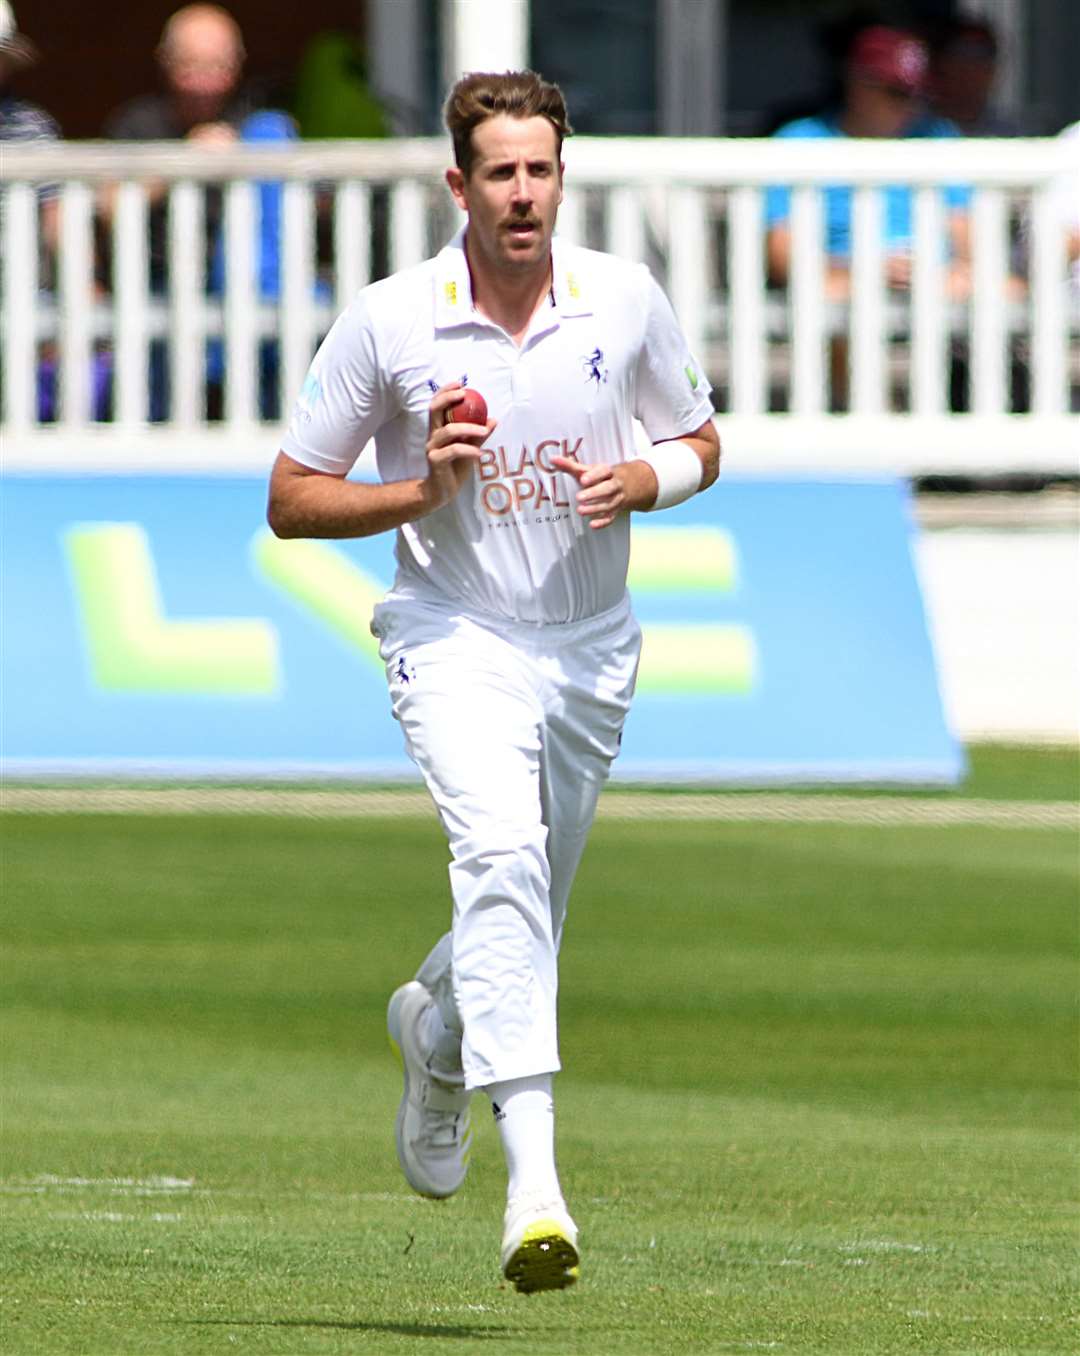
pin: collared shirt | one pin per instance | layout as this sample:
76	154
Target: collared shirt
604	350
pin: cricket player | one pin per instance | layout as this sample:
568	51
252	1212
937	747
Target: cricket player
510	647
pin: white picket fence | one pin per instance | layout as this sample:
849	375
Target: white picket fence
123	350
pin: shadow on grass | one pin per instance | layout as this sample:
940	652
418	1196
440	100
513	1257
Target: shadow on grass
344	1325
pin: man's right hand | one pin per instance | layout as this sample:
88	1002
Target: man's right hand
452	449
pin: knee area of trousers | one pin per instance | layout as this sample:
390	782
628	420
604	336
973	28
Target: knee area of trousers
507	854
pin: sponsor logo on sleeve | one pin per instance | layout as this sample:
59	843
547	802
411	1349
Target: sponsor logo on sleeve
310	395
691	376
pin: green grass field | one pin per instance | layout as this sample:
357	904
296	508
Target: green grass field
819	1092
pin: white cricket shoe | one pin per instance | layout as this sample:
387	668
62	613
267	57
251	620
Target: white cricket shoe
432	1129
539	1244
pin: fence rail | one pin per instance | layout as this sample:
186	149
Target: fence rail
172	314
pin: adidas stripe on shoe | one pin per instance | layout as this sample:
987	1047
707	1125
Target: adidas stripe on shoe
432	1128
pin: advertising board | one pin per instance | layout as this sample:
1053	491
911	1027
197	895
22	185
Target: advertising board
152	625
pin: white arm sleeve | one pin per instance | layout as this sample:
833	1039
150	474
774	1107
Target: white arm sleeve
671	390
343	399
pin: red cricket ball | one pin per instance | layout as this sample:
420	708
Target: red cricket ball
471	409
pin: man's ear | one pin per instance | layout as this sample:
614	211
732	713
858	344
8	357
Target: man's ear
455	181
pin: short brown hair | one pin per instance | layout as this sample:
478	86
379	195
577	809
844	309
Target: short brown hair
483	95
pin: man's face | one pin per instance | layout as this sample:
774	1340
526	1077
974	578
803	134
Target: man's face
880	110
512	192
202	62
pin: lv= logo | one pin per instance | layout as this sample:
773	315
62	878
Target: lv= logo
691	657
134	647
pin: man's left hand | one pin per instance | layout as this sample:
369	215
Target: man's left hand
603	490
209	134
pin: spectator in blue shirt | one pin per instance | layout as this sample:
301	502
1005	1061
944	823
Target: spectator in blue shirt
885	79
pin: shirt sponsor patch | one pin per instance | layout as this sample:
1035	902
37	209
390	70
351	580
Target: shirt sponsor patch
525	481
691	376
310	395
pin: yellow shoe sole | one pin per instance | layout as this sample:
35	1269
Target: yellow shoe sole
545	1259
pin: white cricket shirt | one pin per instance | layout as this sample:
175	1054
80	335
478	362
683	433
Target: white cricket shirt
511	544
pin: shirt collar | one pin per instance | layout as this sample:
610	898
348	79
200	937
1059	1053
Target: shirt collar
453	286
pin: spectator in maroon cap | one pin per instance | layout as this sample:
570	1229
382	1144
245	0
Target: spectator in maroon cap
885	80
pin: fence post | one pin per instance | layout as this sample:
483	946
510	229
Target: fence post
352	240
131	281
688	265
76	300
807	302
20	293
929	335
989	358
296	324
241	322
746	309
868	341
1048	293
187	304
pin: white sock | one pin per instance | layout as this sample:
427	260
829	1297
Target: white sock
444	1044
525	1114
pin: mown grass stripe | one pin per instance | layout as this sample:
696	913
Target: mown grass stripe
747	807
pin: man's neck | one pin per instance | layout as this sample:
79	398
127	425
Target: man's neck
511	300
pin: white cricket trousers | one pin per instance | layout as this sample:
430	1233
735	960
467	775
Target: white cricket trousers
514	727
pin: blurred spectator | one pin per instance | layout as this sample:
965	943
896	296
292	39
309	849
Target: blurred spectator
964	55
1067	193
333	97
885	77
21	120
834	37
201	60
